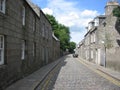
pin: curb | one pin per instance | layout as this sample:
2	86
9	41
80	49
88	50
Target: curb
47	74
32	81
98	68
108	74
102	73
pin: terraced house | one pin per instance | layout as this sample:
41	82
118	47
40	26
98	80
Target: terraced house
26	40
101	42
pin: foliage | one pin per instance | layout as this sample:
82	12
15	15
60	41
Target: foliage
116	12
72	47
61	32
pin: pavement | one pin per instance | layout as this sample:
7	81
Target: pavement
35	79
107	71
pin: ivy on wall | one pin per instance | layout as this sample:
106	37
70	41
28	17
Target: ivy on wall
116	12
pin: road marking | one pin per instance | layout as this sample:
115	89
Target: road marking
111	79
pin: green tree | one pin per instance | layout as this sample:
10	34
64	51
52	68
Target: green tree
53	22
116	12
72	46
61	32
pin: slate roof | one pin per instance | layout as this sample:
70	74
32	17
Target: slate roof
35	8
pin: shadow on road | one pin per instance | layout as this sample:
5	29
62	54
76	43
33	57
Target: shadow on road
50	80
57	71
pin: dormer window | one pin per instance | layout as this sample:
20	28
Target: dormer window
2	6
96	22
89	26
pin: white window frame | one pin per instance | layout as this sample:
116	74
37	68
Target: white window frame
89	26
23	15
2	6
97	22
1	49
23	50
34	21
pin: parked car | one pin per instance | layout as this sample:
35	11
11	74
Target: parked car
75	55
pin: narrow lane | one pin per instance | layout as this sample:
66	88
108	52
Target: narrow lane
70	74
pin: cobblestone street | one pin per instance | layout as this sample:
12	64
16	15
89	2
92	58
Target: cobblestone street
71	74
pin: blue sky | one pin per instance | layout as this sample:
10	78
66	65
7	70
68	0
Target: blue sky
73	13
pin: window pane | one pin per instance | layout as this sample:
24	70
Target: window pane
1	50
0	55
1	42
0	4
23	15
96	22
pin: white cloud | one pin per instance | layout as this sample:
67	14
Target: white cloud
89	13
47	11
77	36
68	14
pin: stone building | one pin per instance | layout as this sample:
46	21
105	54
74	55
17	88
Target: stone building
102	41
26	40
81	49
56	49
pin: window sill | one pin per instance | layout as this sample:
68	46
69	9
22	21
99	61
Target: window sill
2	66
2	14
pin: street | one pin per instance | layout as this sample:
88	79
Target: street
71	74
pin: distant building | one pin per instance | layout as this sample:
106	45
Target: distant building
102	41
26	40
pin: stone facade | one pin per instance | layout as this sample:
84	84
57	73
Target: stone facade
101	44
26	40
56	49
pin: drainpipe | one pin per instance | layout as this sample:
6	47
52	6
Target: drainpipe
104	24
104	53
